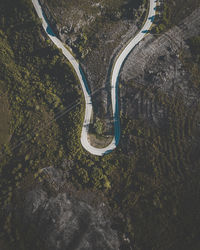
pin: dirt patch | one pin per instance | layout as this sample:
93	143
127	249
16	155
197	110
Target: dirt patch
99	141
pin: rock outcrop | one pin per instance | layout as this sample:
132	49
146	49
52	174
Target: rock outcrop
64	221
68	223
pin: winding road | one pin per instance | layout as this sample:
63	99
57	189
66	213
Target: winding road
114	78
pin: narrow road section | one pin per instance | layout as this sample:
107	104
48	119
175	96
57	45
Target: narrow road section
114	77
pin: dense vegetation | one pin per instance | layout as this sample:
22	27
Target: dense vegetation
37	87
152	178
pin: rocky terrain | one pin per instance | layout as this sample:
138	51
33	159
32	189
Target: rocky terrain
156	66
60	218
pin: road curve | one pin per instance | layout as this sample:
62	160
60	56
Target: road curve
114	78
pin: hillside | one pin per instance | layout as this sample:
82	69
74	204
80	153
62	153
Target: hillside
145	194
96	33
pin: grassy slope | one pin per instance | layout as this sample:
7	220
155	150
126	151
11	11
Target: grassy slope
40	87
175	11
